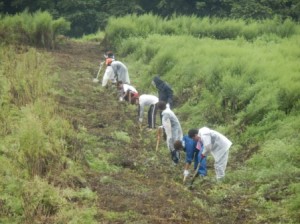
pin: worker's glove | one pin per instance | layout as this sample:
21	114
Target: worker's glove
121	99
141	120
186	173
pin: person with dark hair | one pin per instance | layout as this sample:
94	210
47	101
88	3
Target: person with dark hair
216	144
165	92
172	127
109	54
193	151
147	100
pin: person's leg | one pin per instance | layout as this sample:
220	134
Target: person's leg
105	79
175	156
220	166
149	117
196	158
203	170
152	116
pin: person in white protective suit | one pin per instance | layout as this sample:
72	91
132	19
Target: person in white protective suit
216	144
120	70
172	129
109	74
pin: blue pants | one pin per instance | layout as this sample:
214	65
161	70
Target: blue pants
202	170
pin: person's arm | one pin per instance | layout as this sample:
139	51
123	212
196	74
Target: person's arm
168	129
206	140
140	111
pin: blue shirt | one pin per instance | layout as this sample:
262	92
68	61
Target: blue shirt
190	148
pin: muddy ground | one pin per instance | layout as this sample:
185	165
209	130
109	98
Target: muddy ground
146	188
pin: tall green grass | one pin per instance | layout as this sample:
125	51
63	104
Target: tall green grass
239	77
218	28
36	152
37	29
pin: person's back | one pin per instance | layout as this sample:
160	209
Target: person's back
128	92
127	87
168	113
121	71
220	144
191	152
165	92
148	100
172	129
175	125
216	144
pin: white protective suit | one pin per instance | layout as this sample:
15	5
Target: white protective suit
173	130
120	71
218	145
108	75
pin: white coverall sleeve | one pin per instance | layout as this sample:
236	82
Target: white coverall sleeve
105	77
141	110
168	129
108	75
206	140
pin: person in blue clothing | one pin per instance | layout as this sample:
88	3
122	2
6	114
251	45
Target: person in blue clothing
193	151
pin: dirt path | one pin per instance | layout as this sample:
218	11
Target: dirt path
139	185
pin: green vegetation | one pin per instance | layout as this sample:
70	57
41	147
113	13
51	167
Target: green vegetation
88	16
239	78
98	36
35	146
38	29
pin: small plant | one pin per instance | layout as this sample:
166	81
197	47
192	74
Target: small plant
122	136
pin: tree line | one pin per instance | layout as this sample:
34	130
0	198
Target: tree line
88	16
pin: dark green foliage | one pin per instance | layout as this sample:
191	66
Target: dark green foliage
88	16
288	99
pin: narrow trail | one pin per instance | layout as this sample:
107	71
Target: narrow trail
146	188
